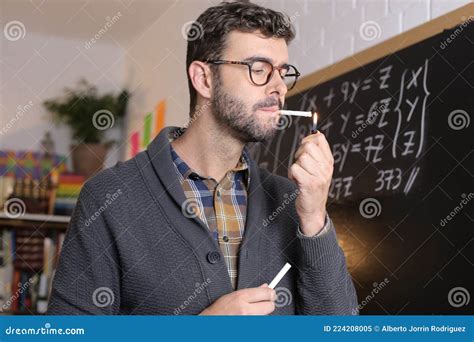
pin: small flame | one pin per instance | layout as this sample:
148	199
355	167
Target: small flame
315	118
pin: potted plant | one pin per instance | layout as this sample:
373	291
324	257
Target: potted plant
89	115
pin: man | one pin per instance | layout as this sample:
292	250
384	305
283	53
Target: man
192	225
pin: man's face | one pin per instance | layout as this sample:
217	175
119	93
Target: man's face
249	111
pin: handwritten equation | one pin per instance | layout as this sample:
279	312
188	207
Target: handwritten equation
375	125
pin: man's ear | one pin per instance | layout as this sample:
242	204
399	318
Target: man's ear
200	75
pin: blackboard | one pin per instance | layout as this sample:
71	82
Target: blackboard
400	132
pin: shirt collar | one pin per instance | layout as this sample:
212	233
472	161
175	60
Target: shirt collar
187	172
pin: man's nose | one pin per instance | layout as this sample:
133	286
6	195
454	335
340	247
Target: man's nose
277	85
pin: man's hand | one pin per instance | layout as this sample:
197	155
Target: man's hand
312	172
253	301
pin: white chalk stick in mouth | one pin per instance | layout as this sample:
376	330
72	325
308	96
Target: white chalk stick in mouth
280	275
295	113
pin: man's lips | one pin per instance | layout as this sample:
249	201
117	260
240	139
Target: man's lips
269	109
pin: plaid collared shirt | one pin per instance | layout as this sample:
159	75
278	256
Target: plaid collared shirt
221	206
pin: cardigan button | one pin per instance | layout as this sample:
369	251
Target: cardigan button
213	257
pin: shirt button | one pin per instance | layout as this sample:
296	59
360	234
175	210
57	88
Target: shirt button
225	238
213	257
218	193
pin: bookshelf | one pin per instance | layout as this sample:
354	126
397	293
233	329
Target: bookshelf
38	195
30	246
35	221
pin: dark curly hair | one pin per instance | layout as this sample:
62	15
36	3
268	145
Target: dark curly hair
207	35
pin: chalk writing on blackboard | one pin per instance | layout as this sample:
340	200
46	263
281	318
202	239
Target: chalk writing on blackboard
375	124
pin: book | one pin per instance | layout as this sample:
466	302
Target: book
27	265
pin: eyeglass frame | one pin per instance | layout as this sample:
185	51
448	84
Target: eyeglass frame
249	65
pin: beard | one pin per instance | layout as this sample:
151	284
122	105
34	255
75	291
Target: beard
233	115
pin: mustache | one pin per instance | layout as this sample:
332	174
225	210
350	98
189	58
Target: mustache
268	102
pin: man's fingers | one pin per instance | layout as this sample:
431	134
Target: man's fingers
315	150
320	141
297	173
261	308
258	294
308	147
310	165
324	146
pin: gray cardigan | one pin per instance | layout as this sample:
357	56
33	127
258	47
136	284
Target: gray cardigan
130	249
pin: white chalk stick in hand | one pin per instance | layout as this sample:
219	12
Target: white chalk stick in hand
280	275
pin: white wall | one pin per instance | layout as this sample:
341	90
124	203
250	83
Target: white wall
38	68
329	30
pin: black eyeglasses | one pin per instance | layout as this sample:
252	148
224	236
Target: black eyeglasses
261	71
